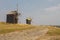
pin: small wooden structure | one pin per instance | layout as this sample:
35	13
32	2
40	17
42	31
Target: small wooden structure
12	17
28	21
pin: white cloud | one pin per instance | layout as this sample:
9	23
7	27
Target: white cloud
50	15
53	8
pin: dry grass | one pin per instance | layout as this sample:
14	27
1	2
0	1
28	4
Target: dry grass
52	34
53	31
6	28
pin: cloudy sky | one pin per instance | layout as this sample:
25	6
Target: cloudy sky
42	12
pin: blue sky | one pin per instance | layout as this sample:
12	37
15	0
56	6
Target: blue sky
42	12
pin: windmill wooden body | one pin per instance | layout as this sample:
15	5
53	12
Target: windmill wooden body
12	17
28	20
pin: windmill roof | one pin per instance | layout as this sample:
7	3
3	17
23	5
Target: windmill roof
12	12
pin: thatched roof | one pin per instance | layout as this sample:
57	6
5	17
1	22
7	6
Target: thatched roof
13	12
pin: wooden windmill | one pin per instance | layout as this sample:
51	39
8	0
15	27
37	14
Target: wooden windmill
12	17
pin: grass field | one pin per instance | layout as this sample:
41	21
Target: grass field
53	31
52	34
6	28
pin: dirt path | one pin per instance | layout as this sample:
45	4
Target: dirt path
31	34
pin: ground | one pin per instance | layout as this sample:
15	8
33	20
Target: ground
28	32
